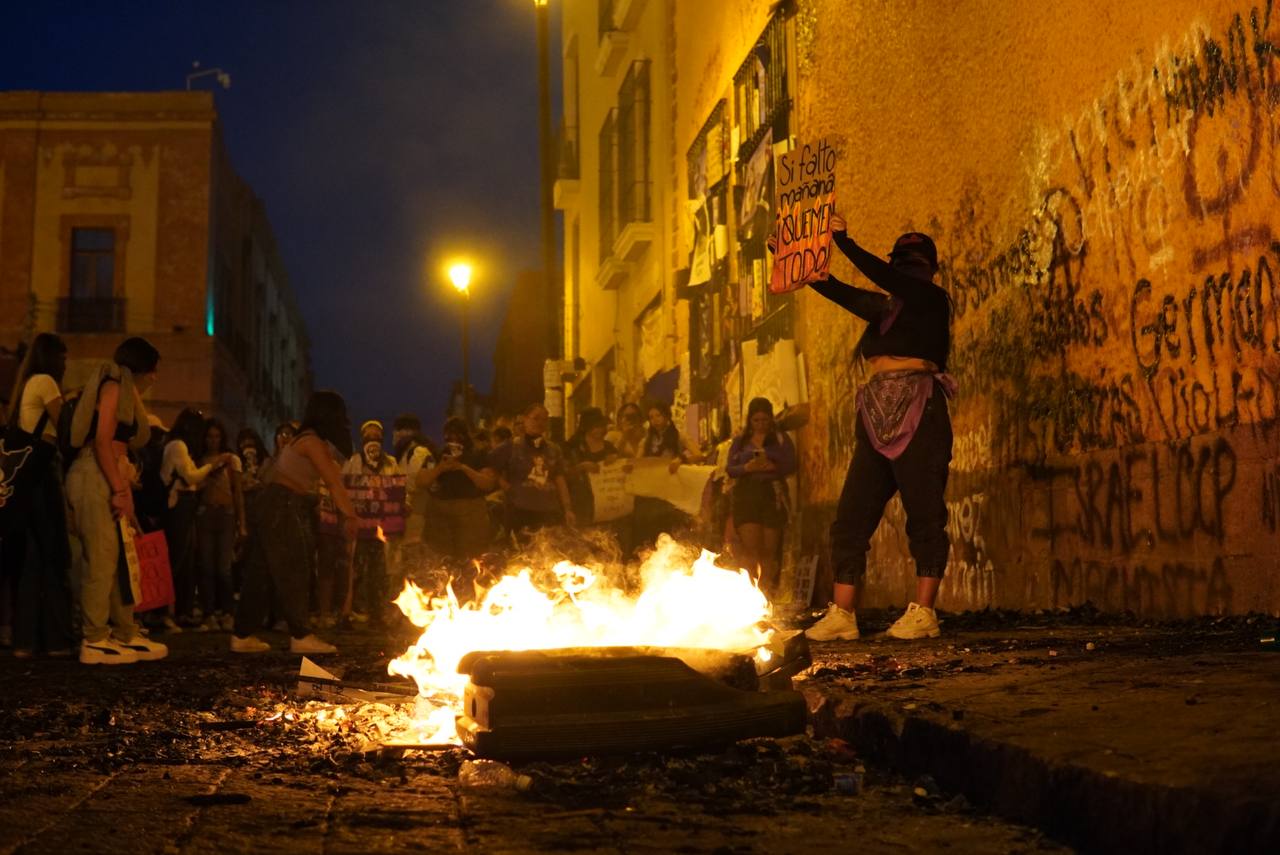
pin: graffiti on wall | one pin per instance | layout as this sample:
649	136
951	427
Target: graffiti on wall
1114	343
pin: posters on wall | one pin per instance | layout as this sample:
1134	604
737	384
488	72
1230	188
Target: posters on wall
774	375
804	196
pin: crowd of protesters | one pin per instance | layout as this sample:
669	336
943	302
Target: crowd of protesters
240	520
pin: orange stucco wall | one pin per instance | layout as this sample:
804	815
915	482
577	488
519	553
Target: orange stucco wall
1101	180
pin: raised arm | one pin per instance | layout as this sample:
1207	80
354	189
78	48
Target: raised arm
907	288
867	305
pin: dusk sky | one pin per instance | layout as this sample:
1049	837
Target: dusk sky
383	137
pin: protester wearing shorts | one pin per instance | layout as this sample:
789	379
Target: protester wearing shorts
760	461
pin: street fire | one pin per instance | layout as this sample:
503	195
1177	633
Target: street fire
679	604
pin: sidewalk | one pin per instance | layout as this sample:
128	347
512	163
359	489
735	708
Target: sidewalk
1157	738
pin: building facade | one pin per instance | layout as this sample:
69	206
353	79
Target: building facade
1100	183
121	215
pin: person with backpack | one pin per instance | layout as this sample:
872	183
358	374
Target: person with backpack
36	545
107	419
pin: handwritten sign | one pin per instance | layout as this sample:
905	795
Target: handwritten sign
379	502
609	492
652	476
805	192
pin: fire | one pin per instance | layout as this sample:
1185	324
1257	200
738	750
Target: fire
678	605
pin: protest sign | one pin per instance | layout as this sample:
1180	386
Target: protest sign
652	477
805	188
609	492
379	502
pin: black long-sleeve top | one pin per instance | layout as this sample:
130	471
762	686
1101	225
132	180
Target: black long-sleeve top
922	328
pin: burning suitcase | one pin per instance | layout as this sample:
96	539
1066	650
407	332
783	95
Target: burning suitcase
549	703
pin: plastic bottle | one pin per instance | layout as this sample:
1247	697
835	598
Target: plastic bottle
491	774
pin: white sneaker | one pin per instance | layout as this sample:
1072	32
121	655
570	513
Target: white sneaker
310	644
248	644
145	649
835	625
106	652
171	626
917	622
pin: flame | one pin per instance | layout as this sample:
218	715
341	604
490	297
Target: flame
380	535
679	605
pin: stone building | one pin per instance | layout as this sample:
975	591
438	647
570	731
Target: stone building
121	214
1101	181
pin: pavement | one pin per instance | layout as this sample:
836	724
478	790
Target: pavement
1008	734
1106	735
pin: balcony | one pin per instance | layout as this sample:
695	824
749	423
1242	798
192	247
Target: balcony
91	314
565	189
613	271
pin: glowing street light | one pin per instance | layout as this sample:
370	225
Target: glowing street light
460	276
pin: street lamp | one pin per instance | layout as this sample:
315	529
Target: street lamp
555	287
460	277
224	79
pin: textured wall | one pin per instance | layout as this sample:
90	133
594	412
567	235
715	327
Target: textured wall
1102	182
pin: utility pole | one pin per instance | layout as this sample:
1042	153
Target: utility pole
555	288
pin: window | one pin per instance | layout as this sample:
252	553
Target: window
91	304
604	16
93	264
633	144
607	174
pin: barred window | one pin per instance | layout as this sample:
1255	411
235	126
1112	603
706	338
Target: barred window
633	145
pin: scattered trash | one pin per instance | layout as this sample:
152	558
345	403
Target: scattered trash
1053	653
848	784
491	774
840	752
1091	646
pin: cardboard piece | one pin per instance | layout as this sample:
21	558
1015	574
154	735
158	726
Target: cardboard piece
804	187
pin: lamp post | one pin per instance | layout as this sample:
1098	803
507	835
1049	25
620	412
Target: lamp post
460	277
555	288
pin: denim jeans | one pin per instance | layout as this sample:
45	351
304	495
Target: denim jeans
919	474
180	534
216	539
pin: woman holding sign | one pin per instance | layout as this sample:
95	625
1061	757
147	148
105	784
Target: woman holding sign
760	460
903	431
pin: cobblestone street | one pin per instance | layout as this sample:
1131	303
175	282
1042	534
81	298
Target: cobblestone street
97	759
1037	718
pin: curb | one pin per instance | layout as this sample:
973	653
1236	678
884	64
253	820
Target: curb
1089	808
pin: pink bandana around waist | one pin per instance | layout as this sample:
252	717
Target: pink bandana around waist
891	404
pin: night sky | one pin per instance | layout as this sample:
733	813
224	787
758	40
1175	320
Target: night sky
383	138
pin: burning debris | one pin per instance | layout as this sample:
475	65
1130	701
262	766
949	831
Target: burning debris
674	658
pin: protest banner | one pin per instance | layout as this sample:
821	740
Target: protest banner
609	492
379	502
652	477
804	197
